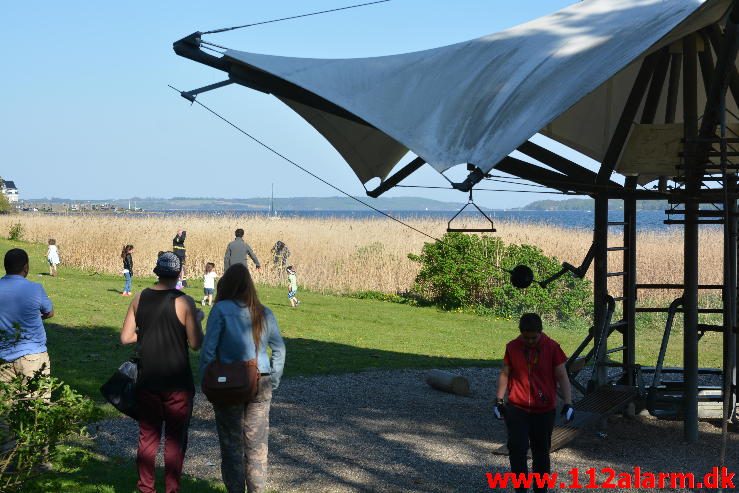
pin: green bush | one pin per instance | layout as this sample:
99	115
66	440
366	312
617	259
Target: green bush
16	232
469	271
31	425
401	298
5	206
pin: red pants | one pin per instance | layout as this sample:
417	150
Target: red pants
173	410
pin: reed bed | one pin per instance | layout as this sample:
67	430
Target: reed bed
334	254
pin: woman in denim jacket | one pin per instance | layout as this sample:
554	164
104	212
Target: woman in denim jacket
239	329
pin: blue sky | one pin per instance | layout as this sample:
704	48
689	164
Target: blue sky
87	114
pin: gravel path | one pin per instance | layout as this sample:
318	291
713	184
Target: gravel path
388	431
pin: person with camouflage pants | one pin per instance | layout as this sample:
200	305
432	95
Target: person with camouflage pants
240	328
243	432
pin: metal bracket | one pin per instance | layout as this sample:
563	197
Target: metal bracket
191	95
476	175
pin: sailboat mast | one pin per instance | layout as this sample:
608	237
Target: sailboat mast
272	202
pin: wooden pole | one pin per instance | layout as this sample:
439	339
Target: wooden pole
690	253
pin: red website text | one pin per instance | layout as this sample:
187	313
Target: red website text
609	478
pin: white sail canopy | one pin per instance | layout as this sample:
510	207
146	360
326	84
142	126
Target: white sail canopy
566	75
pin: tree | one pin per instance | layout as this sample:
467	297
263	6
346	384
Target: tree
5	206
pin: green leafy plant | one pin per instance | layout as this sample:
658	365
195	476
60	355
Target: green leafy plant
403	298
468	271
5	206
16	232
35	415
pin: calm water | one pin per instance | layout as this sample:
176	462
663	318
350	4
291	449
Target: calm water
646	220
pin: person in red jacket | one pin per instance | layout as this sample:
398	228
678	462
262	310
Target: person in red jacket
533	365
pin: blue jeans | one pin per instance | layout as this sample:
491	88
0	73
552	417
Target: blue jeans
127	285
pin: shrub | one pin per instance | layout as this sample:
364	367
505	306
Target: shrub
468	271
402	298
32	425
5	206
16	232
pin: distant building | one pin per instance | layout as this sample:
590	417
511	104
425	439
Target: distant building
10	191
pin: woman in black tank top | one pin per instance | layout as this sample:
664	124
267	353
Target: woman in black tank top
164	362
163	321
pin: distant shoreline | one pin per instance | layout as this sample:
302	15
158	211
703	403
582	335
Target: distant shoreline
651	220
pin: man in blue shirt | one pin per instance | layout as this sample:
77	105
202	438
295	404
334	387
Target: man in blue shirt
23	307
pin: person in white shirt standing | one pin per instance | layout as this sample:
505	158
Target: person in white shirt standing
52	255
209	283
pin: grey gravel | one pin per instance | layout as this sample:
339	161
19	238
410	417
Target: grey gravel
389	431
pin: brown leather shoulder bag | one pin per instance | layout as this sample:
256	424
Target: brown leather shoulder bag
230	384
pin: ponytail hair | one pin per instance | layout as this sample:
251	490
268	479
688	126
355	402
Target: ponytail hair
126	250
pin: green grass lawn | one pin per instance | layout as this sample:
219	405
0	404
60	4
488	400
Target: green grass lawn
326	334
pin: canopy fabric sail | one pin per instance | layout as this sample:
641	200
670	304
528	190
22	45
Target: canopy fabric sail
566	75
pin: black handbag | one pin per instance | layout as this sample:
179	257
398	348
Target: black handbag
120	389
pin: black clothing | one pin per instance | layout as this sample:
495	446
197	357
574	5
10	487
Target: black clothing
164	362
526	429
178	245
128	263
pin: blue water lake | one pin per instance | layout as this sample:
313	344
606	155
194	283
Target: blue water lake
646	220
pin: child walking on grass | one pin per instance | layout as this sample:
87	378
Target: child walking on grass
52	255
292	280
209	283
127	269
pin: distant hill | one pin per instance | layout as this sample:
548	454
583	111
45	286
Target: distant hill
589	205
261	204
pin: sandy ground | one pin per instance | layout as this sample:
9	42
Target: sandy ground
388	431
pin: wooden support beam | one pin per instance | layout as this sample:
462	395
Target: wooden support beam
655	87
705	58
600	285
629	282
716	36
626	120
720	78
673	87
690	249
561	164
551	179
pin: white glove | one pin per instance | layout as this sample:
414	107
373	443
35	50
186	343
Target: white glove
568	412
499	409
